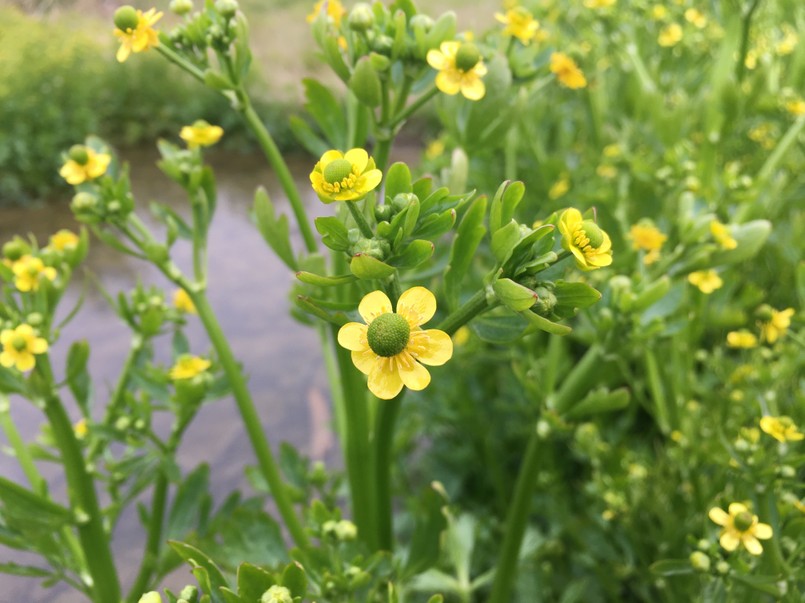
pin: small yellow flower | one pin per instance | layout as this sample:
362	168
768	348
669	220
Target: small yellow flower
519	24
788	44
201	134
670	35
559	188
64	240
706	280
460	68
434	149
392	347
188	366
332	8
182	302
599	3
135	30
80	429
588	243
658	12
647	237
606	171
781	429
776	325
567	72
741	339
346	176
84	164
795	107
740	527
612	151
721	233
461	336
696	18
28	271
19	347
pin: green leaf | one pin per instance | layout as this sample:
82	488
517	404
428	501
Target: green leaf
248	532
305	135
77	377
333	233
436	599
500	325
514	295
599	401
11	382
470	232
23	505
765	584
504	240
24	570
504	204
435	225
210	573
417	252
367	267
172	220
398	180
273	228
671	567
295	579
217	81
573	296
425	541
230	597
651	294
326	110
253	581
750	238
540	323
324	281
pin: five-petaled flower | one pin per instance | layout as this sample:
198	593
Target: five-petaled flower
773	323
28	270
332	8
460	69
589	244
19	346
782	429
346	176
740	527
519	24
63	240
188	366
135	30
647	237
201	134
390	346
670	35
84	164
567	72
706	280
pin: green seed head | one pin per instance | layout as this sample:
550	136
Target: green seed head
79	154
337	170
126	18
743	521
19	343
181	7
593	232
388	335
467	57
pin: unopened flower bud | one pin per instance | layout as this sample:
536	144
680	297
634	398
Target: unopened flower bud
181	7
35	319
722	567
365	83
382	45
15	249
189	594
423	21
379	62
126	18
152	597
764	313
361	17
402	200
546	300
276	594
227	8
700	561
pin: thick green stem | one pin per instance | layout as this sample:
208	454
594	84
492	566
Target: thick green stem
360	219
516	523
95	542
474	306
251	419
154	541
276	160
384	444
413	107
181	62
578	381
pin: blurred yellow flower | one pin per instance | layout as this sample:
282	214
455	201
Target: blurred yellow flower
721	233
390	346
80	429
19	346
460	69
462	336
28	271
776	323
795	107
706	280
740	527
670	35
63	240
567	72
84	164
332	8
519	24
182	302
695	17
559	188
188	366
659	12
647	237
588	243
741	339
434	149
346	176
612	151
201	134
788	44
599	3
781	429
135	30
606	171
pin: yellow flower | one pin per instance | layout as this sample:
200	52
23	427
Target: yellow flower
519	24
613	150
332	8
462	336
776	325
460	69
599	3
28	270
84	164
706	280
695	17
795	107
434	149
346	176
64	240
740	527
741	339
135	30
201	134
788	44
721	233
182	301
646	236
659	12
606	171
19	347
670	35
390	346
781	429
188	366
567	72
80	429
559	188
589	244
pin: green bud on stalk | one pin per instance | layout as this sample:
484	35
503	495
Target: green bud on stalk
126	18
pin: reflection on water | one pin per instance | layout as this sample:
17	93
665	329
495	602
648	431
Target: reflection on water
248	289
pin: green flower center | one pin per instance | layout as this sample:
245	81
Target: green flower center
743	521
337	170
19	343
593	232
388	335
467	57
78	153
126	18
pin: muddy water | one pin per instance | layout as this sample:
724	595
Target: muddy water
248	289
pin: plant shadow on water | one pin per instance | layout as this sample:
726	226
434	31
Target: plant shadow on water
249	290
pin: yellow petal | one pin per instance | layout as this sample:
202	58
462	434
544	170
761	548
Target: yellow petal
431	347
122	54
25	361
72	173
763	531
6	359
25	330
752	544
365	360
417	305
370	180
358	158
736	508
329	157
479	69
39	346
352	336
373	305
729	541
448	82
436	59
6	336
473	88
384	380
449	49
413	375
718	516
